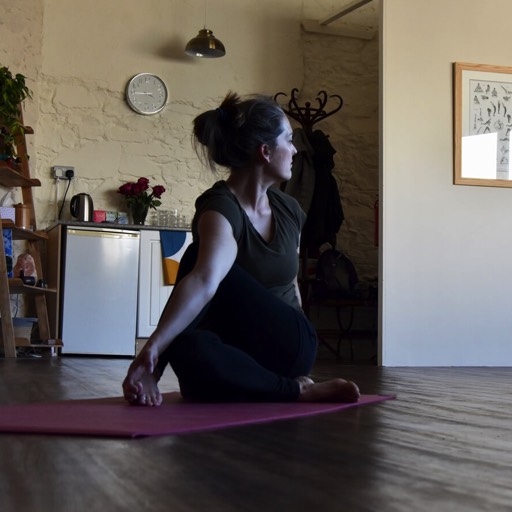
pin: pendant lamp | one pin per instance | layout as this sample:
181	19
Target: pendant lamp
205	44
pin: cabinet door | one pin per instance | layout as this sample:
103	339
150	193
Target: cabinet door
153	292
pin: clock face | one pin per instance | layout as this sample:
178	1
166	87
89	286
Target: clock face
146	93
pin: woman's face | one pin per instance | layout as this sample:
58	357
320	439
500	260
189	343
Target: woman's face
281	155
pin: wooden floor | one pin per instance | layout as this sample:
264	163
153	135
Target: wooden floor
445	444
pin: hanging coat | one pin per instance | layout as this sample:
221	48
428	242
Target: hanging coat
325	215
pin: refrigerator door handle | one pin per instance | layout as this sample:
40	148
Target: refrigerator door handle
103	234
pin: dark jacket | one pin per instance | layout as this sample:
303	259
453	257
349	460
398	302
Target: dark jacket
325	213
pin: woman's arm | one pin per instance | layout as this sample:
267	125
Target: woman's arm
217	253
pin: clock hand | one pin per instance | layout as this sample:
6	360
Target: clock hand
145	93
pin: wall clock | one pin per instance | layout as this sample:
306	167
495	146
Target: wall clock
146	93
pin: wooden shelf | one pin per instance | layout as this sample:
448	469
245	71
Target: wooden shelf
16	285
35	241
25	342
10	178
23	234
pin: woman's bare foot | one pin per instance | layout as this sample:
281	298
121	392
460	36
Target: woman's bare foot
140	387
304	381
148	393
334	390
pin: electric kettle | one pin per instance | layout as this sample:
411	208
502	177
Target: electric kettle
81	207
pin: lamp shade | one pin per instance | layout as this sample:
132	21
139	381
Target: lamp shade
205	44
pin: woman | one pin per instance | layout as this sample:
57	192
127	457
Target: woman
233	328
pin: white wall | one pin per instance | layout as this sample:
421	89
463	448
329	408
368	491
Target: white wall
446	269
350	67
78	57
82	55
446	266
21	42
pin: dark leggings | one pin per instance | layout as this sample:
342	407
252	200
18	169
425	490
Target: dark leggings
246	344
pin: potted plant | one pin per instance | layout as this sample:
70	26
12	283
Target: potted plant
13	91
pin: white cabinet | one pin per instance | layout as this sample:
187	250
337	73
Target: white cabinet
153	292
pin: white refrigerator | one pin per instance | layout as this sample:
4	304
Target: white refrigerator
100	286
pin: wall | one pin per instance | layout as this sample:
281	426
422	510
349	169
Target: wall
446	266
350	67
79	57
21	25
89	52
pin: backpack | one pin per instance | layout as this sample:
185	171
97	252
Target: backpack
336	276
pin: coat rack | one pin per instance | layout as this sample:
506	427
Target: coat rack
307	115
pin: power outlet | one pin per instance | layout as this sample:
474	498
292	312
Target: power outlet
62	172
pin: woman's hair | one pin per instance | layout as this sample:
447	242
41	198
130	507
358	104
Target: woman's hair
229	135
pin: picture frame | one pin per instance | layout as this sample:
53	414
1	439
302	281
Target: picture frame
482	125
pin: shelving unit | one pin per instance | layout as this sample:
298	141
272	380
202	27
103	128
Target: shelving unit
34	239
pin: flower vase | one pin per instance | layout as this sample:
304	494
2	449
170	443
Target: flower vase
139	213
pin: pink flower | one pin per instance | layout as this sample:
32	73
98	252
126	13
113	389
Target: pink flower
158	190
141	185
126	189
140	193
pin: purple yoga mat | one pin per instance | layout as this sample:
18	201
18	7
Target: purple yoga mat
113	417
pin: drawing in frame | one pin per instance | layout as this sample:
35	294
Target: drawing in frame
482	125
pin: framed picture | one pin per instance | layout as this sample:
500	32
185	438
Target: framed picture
482	125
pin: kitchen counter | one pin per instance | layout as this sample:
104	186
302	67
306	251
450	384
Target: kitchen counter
115	225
